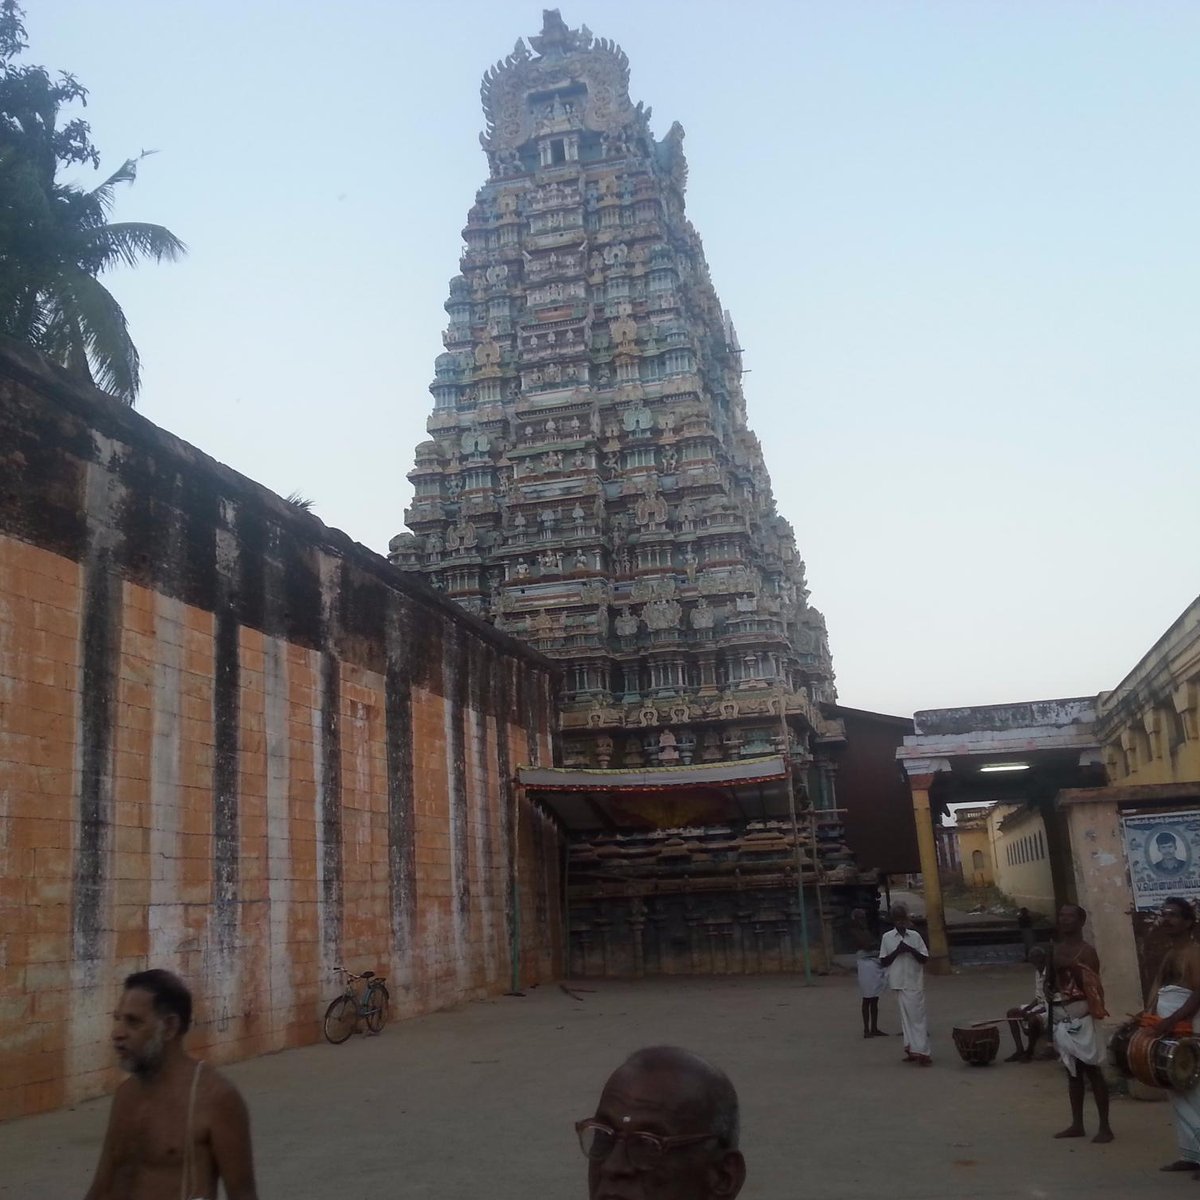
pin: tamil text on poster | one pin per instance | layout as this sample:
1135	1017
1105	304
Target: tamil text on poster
1164	856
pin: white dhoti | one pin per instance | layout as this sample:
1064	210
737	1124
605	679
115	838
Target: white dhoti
1185	1105
1076	1037
872	978
913	1022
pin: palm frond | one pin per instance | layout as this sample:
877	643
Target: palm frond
296	500
87	333
102	193
130	241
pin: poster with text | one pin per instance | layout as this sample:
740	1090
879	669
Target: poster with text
1163	850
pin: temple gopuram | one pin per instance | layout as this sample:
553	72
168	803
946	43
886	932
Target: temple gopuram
591	486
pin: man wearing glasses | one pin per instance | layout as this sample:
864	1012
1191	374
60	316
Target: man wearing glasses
666	1128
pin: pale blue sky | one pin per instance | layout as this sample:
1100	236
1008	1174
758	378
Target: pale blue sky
959	242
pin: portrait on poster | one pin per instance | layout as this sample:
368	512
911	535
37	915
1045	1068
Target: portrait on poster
1163	851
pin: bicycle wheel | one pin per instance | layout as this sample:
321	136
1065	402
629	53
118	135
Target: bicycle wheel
377	1008
340	1018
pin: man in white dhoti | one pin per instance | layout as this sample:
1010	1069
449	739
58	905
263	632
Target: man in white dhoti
1174	1001
903	953
1076	1004
872	978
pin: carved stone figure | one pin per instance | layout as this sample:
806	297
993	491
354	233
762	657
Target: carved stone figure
702	615
487	354
662	614
651	508
667	752
626	623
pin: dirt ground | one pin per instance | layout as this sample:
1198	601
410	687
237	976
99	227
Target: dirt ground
480	1100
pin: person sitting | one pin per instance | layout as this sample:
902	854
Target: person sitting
1030	1017
666	1128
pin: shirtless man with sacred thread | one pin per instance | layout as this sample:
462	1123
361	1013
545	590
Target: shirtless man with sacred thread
176	1127
1174	1002
1076	1005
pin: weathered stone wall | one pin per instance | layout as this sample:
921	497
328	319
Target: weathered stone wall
1149	724
1102	887
1021	856
235	744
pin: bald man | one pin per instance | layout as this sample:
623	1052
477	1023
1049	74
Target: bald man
666	1128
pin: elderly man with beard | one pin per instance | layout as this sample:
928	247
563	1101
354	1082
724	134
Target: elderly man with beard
176	1127
666	1128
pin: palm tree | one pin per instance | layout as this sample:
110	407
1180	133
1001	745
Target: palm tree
78	320
56	238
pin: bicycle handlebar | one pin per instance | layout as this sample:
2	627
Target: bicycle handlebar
350	975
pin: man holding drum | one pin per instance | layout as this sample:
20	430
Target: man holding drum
1174	1001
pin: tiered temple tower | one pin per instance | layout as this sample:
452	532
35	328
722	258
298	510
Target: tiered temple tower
590	484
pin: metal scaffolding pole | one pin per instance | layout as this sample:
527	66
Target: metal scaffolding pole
826	939
791	791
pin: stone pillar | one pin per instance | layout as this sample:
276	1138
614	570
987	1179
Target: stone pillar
637	930
921	774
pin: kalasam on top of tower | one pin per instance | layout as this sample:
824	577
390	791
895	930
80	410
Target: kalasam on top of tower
590	484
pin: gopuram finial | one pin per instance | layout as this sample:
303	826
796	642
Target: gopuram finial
556	40
593	70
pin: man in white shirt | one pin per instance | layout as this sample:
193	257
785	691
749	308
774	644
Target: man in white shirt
904	954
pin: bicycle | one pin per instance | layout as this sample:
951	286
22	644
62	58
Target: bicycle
344	1012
